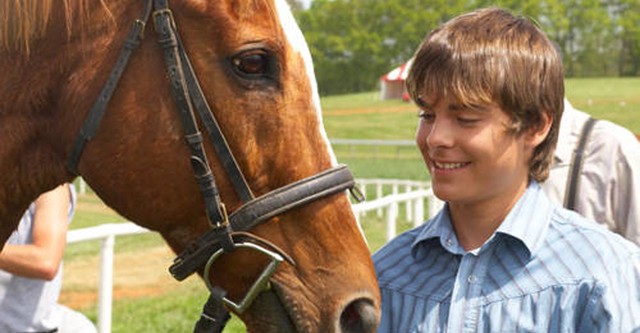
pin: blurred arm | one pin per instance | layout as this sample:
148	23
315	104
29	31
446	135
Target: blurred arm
41	259
627	210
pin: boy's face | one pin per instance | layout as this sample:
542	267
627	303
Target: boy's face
470	153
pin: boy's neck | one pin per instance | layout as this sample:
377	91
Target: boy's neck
475	223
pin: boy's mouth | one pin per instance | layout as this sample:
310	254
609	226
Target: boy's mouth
450	165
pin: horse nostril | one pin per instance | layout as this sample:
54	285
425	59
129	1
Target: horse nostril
359	316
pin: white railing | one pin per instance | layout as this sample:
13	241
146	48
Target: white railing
389	196
379	188
107	233
414	202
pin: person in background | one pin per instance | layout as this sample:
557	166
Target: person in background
596	172
31	269
500	256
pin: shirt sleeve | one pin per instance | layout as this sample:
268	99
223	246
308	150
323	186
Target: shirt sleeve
615	307
626	201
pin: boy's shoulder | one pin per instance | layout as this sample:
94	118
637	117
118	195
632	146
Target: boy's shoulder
585	245
568	224
405	269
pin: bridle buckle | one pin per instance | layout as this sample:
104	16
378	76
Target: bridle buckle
261	284
224	221
139	26
164	11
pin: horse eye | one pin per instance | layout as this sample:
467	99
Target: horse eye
252	63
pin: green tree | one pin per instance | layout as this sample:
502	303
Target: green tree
628	16
582	28
295	5
354	42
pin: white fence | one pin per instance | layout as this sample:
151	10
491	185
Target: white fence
388	198
107	233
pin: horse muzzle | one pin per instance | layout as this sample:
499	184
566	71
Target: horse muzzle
277	311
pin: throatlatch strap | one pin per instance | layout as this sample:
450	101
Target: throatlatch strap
573	181
214	315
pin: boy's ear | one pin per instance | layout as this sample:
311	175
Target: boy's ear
537	134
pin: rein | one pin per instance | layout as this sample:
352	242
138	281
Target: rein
228	232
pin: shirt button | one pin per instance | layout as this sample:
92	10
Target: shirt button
449	242
471	279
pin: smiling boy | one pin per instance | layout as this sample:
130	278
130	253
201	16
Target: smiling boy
500	256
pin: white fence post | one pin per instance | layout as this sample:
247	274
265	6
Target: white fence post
418	212
393	211
105	294
106	233
435	205
83	186
392	214
379	195
409	209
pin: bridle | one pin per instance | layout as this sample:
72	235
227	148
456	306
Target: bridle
228	231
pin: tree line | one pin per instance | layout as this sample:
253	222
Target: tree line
354	42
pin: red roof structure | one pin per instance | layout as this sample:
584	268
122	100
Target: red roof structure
392	83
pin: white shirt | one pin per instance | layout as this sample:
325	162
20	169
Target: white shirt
609	185
28	304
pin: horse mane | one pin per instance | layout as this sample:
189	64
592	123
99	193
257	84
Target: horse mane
24	21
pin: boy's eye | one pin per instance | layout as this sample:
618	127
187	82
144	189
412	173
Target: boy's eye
467	121
421	102
426	115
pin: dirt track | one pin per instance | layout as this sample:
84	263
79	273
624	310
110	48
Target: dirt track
135	275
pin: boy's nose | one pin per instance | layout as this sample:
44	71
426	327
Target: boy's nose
439	134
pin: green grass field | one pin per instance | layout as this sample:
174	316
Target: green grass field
358	116
364	116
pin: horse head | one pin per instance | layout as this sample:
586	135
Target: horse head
254	71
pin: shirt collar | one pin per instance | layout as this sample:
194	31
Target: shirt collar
438	228
527	222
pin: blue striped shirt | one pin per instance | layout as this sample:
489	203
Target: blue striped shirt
546	269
